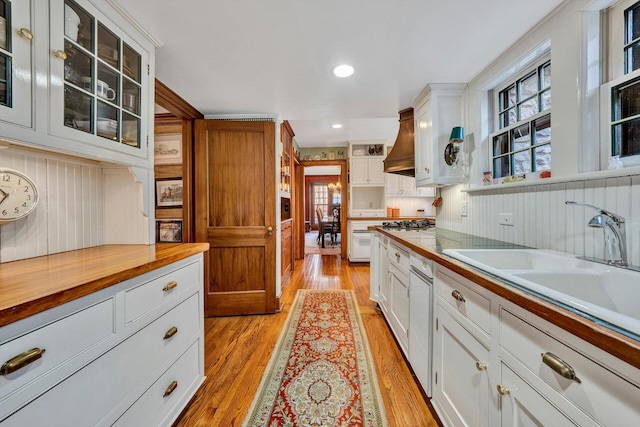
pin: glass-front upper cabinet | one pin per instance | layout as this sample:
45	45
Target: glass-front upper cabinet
15	62
102	89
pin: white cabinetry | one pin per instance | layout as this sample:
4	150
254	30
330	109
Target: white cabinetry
438	109
497	364
107	356
15	61
420	319
405	186
366	178
96	101
398	307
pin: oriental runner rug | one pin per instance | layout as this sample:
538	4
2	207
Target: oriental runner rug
321	372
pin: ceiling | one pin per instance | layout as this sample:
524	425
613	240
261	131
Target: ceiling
276	57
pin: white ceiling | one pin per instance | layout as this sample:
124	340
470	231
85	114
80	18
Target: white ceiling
277	56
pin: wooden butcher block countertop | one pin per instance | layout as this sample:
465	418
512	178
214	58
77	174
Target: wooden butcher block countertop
31	286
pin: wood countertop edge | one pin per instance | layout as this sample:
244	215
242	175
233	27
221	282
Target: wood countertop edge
614	343
78	286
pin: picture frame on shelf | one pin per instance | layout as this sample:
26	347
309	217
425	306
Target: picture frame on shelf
167	149
169	231
168	193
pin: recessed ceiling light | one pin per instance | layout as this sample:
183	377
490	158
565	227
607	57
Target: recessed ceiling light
343	70
336	126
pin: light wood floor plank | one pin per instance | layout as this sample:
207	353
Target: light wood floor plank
237	350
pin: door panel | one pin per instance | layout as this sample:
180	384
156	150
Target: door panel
235	206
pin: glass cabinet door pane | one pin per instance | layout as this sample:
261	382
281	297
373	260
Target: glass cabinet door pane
78	25
131	96
78	67
130	130
5	80
78	109
107	84
107	123
108	47
5	24
131	63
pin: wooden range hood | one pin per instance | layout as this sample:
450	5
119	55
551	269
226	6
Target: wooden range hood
401	159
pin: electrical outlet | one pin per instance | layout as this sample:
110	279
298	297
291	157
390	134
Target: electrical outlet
463	208
506	219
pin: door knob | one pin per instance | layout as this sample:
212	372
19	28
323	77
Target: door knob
269	231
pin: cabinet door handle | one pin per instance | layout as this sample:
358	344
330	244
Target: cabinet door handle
170	389
502	390
172	284
60	54
561	367
397	256
480	366
25	33
457	295
171	332
21	360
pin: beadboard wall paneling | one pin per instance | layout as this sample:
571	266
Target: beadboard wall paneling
409	205
125	221
69	214
541	217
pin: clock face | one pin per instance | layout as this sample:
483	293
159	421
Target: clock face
18	195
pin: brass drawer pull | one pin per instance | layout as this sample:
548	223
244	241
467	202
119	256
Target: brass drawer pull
480	366
171	332
25	33
457	295
170	389
172	284
561	367
502	390
21	360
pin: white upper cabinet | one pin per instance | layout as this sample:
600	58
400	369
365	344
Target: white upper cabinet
16	39
439	108
95	101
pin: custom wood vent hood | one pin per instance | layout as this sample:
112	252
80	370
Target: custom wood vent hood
401	159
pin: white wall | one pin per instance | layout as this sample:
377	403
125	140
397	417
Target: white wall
410	205
542	220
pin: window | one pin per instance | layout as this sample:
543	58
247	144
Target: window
523	143
632	38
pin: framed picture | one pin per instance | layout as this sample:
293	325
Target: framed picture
168	193
169	231
167	149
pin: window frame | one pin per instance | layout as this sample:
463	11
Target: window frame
534	67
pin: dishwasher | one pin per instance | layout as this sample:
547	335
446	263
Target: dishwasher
421	319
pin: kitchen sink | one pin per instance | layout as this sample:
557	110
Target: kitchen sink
607	293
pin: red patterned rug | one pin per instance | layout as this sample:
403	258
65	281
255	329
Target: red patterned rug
321	372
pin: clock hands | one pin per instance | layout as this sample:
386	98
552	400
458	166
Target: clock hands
3	195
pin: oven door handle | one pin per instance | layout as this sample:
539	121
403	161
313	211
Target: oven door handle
361	231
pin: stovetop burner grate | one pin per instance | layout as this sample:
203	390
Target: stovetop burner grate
414	224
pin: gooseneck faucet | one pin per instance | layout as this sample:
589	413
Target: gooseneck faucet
615	238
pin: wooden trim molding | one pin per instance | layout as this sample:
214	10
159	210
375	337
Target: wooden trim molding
168	99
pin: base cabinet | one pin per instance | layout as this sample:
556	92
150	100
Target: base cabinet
495	363
143	373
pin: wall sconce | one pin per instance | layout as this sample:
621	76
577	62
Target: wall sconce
453	148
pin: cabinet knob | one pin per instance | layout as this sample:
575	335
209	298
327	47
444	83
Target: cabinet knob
170	389
171	332
457	295
480	366
502	390
20	361
60	54
25	33
561	367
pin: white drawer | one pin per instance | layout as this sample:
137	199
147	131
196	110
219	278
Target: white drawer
164	289
61	341
159	404
91	393
600	393
400	257
460	293
422	264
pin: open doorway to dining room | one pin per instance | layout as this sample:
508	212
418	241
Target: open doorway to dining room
323	201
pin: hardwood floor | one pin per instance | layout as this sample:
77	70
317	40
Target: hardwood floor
237	350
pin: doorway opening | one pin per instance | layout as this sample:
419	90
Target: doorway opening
323	210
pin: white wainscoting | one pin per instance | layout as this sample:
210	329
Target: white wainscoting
81	204
542	219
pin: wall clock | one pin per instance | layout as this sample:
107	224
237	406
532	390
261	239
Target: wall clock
18	195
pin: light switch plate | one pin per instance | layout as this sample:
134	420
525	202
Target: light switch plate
463	208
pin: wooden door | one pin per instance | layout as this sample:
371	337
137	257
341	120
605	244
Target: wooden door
235	197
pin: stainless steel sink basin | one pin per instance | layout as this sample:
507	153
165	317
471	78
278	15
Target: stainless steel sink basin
608	293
